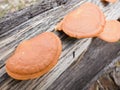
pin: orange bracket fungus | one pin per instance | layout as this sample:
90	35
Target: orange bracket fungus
34	57
111	32
84	22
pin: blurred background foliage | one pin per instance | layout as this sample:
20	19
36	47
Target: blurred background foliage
9	6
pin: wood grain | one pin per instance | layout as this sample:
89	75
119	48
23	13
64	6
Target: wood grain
14	19
73	51
43	22
109	80
99	55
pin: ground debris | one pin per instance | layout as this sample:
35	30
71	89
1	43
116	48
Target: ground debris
110	80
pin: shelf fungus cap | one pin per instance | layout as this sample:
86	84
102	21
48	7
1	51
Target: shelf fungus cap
111	32
34	57
83	22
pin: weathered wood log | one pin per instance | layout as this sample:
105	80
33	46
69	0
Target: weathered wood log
41	23
99	55
14	19
79	73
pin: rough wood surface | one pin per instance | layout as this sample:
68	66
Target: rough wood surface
110	78
41	23
79	73
14	19
99	55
